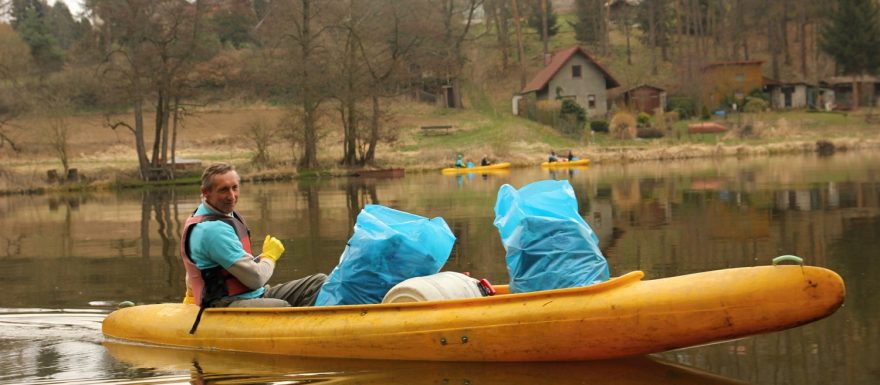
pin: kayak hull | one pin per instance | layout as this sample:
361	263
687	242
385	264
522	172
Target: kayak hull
466	170
622	317
573	163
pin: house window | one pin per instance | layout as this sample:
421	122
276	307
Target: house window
591	101
575	72
740	77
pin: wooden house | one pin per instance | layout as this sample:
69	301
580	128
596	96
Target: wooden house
573	74
644	98
729	79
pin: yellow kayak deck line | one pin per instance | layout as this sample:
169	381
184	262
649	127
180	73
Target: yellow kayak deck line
466	170
573	163
622	317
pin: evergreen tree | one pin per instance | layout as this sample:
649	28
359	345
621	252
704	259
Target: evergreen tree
589	26
19	10
35	31
535	16
663	22
233	26
63	27
851	36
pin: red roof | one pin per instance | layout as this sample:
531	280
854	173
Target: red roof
732	63
557	62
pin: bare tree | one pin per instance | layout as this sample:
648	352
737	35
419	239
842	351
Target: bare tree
154	47
15	59
500	15
457	17
262	135
56	107
292	34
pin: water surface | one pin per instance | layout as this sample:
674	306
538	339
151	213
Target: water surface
69	258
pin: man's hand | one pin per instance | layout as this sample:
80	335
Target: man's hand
272	248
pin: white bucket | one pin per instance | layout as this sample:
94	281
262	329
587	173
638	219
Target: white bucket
445	285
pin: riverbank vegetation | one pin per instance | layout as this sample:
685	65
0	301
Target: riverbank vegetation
154	90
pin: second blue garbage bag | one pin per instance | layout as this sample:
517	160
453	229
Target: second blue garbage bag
388	246
548	244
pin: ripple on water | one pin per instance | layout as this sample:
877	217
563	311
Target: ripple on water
51	345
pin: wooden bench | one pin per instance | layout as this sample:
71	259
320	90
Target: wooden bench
437	128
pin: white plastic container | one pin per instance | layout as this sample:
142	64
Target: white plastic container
444	285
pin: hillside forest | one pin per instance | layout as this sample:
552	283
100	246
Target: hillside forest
147	64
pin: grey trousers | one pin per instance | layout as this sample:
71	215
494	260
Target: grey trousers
300	292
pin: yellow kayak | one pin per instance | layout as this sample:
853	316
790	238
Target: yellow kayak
574	163
466	170
625	316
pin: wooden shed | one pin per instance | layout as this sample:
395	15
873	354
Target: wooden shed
644	98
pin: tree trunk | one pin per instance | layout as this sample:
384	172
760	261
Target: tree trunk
166	117
606	20
802	32
157	138
652	30
783	29
308	101
140	146
349	106
626	28
545	34
519	45
772	41
374	131
503	33
174	135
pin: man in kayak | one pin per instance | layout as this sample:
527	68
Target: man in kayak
221	270
459	161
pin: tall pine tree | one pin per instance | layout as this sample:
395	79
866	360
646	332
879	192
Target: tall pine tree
536	14
851	36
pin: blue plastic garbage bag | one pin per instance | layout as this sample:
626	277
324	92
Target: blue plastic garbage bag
548	244
387	247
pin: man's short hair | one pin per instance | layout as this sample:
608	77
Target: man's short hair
214	169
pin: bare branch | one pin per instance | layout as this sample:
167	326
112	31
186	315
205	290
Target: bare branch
113	125
6	139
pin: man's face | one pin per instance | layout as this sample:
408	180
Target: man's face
223	194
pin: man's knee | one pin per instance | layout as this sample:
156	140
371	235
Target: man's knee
300	292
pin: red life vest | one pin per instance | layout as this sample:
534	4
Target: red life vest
217	278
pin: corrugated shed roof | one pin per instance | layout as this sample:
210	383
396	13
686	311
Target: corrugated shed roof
645	85
557	62
849	79
732	63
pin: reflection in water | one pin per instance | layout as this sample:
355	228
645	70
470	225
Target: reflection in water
249	368
670	218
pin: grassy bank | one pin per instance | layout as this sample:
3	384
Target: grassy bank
106	159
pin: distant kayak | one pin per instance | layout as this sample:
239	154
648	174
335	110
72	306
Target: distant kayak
573	163
466	170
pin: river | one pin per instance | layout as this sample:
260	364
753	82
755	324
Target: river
70	258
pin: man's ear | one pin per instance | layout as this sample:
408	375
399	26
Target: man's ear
204	191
